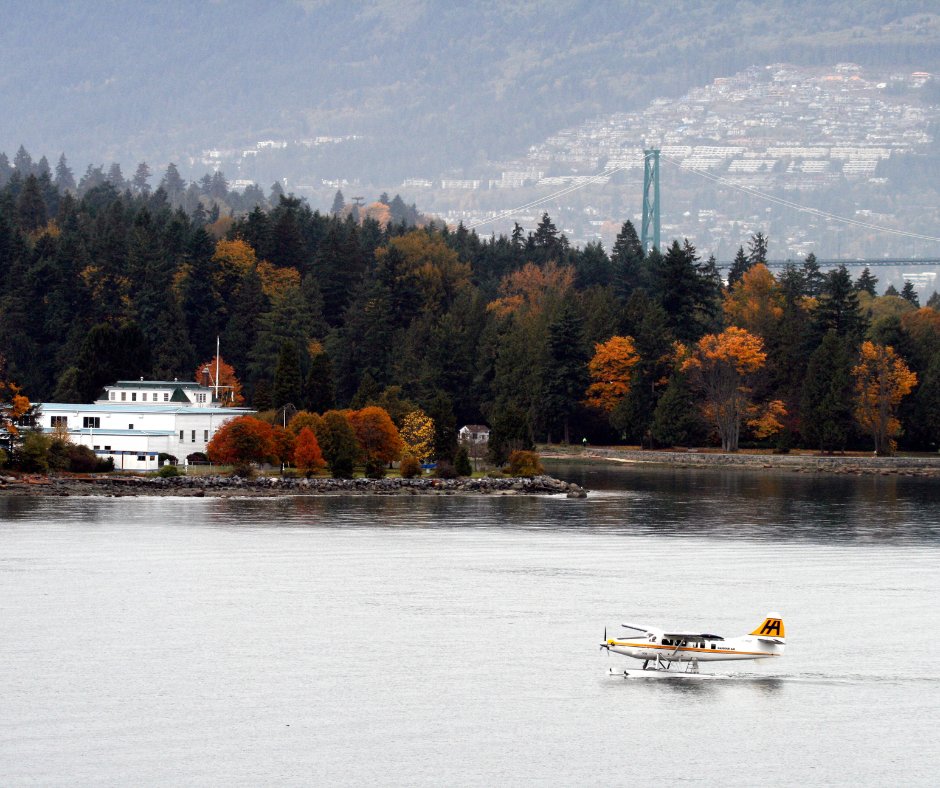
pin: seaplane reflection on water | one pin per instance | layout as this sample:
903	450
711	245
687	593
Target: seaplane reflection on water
668	654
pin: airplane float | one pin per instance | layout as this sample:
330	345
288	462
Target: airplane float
664	653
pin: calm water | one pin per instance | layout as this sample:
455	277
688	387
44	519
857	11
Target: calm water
453	641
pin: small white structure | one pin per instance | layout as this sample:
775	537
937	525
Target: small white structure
474	434
135	421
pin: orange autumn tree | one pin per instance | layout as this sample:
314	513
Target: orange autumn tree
230	388
307	454
720	366
611	370
379	441
241	441
532	288
13	404
882	380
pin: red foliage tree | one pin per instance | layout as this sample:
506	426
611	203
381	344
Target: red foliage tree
307	455
243	440
377	434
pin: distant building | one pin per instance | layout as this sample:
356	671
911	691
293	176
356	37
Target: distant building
135	421
474	434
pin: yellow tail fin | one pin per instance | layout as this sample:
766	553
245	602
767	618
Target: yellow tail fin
771	627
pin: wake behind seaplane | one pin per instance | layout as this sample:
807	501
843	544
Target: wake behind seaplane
665	652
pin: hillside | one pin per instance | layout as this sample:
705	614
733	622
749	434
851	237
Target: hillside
424	86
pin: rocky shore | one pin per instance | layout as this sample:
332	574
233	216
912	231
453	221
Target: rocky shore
928	466
231	486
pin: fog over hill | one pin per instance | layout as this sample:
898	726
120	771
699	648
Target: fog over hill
386	90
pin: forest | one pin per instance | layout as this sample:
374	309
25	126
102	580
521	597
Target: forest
106	278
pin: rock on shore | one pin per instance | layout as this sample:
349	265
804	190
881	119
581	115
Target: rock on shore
227	486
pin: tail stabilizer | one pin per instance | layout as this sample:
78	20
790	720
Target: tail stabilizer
771	627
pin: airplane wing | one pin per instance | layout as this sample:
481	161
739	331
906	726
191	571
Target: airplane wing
779	641
691	636
636	627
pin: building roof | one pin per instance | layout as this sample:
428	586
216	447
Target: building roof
137	407
157	384
103	432
475	428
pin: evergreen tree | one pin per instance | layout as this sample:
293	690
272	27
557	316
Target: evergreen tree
287	376
30	206
828	394
23	163
339	203
757	249
320	394
679	290
676	420
838	307
241	330
565	376
116	177
6	171
593	266
173	185
627	260
891	290
813	279
441	410
739	267
141	178
867	283
64	179
909	294
934	301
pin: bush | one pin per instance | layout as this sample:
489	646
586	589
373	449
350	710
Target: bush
33	455
243	471
445	470
375	468
409	467
525	463
168	472
495	474
104	464
82	459
196	456
3	458
162	457
462	463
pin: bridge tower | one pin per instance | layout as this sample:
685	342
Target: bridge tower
650	235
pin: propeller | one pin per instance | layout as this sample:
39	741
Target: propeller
605	644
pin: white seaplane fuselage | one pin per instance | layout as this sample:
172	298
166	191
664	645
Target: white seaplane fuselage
667	650
661	648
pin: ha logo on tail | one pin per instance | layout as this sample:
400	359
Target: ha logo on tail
664	650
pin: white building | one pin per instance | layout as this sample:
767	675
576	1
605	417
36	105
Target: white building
135	421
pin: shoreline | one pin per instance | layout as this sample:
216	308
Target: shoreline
266	487
857	465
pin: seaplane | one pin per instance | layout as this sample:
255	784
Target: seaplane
678	654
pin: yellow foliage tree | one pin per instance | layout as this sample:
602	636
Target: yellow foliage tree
275	282
532	288
433	267
719	365
755	303
882	380
768	419
417	433
610	370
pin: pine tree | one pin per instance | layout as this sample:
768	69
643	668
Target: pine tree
565	377
319	390
757	249
64	179
676	421
339	203
287	376
838	307
627	260
813	278
30	206
141	178
867	283
826	408
739	266
909	294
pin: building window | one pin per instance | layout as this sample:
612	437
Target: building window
133	396
91	422
194	436
143	396
123	396
205	435
200	398
141	458
57	420
130	426
111	395
181	436
107	448
96	447
166	396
